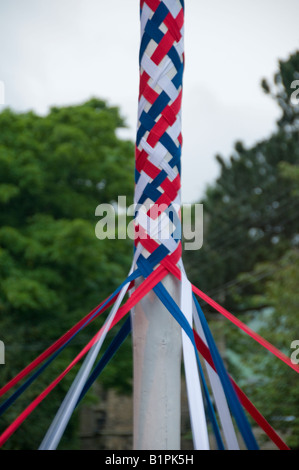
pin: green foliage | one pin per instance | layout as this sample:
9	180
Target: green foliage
273	386
250	212
54	172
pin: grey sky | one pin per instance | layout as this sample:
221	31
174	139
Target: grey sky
60	52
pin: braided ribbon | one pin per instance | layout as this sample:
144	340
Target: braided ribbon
159	139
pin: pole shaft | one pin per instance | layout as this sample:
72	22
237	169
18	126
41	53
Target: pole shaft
157	373
156	334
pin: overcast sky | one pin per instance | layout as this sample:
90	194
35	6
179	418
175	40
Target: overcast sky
61	52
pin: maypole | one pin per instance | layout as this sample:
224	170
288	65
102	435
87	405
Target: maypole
166	318
156	334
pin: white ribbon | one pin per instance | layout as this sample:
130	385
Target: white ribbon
195	398
219	395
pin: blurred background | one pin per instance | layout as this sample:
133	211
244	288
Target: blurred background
69	74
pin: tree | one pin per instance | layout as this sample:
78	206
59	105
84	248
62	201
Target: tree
270	383
282	91
54	171
250	213
249	258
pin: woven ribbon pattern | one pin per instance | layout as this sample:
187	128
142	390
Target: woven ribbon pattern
159	139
